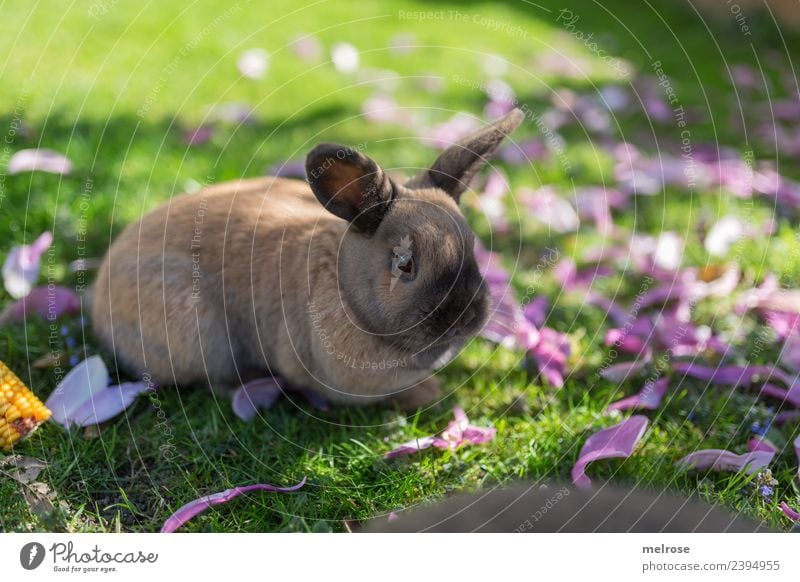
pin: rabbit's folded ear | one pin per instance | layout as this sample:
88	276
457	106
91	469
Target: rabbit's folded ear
350	185
457	165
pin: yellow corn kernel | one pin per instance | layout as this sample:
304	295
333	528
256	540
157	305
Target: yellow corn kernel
20	411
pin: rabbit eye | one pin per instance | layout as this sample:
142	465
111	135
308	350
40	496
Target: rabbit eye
403	265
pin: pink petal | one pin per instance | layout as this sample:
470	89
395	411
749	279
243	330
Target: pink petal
76	388
721	460
616	313
248	398
307	47
731	375
451	131
106	404
253	63
198	506
648	398
550	209
42	160
792	514
761	444
797	454
21	267
790	354
614	442
50	303
458	432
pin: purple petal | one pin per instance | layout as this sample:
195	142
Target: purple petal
198	506
551	353
523	153
797	454
198	135
507	324
21	267
790	354
411	447
253	63
624	370
722	460
536	311
616	313
792	395
614	442
42	160
106	404
76	388
248	398
648	398
761	444
50	303
786	416
792	514
732	375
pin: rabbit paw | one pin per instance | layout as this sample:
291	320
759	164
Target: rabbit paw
420	395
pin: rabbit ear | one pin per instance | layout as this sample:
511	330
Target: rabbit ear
350	185
454	169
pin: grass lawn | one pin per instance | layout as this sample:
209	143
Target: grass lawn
114	86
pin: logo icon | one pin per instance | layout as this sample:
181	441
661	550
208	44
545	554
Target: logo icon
31	555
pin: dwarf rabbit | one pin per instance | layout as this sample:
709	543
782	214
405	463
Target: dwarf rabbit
351	285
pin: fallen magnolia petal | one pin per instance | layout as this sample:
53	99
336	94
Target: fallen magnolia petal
79	385
797	454
722	460
648	398
551	353
249	397
624	370
616	313
108	403
790	354
792	395
459	432
21	267
615	442
786	416
732	375
41	160
761	444
451	131
198	506
792	514
198	135
51	302
410	447
536	311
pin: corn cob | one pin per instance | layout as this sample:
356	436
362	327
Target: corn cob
20	411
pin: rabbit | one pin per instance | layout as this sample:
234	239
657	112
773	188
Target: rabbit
351	284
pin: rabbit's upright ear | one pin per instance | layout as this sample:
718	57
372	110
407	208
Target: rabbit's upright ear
454	169
350	185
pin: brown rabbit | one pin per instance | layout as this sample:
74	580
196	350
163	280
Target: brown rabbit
356	287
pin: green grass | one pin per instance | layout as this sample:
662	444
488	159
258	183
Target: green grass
81	84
